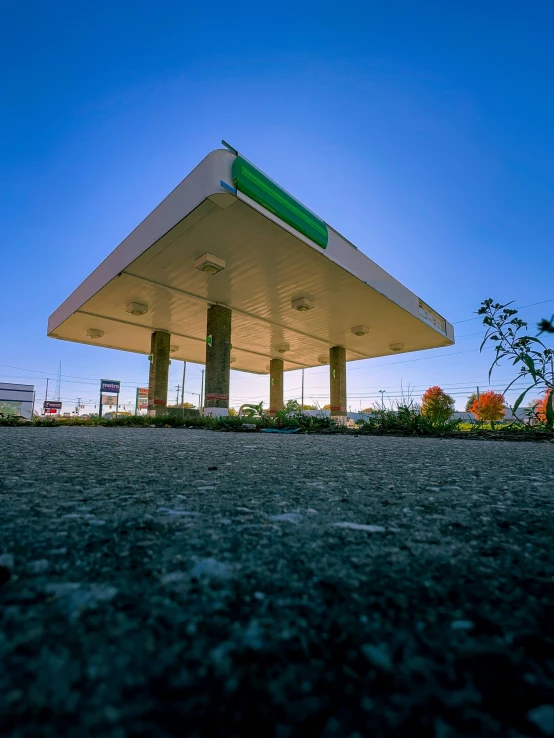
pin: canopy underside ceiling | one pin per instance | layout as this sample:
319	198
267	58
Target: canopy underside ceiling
266	268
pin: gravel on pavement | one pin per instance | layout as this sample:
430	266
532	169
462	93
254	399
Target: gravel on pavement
167	582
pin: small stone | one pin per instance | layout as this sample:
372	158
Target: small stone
7	560
176	513
543	718
286	518
462	625
360	526
173	576
367	704
377	656
79	597
40	566
211	569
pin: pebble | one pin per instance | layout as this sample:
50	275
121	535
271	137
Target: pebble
543	718
286	518
176	513
360	526
7	560
462	625
212	569
377	656
173	576
79	597
40	566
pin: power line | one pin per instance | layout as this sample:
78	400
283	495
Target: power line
532	304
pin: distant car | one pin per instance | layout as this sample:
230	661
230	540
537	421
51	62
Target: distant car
111	416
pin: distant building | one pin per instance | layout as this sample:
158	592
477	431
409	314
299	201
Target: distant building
509	417
17	399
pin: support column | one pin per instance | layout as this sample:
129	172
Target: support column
218	361
276	386
159	373
337	366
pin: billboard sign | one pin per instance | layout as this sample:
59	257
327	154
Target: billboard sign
110	385
109	400
52	405
142	398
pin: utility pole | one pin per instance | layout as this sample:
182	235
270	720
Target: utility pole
79	405
302	405
183	387
202	390
57	394
46	390
382	399
478	404
178	387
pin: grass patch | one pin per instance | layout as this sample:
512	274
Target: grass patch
405	421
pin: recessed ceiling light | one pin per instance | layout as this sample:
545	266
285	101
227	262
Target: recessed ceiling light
359	330
302	304
233	359
173	348
137	308
396	347
282	348
209	264
94	333
323	359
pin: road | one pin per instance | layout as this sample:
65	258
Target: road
163	582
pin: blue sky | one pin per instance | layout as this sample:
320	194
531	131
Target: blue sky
421	131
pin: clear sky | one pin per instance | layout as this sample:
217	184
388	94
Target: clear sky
421	131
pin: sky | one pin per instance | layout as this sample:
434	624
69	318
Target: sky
420	131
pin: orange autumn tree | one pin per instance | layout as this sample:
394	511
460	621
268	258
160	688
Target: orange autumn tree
490	406
540	407
436	404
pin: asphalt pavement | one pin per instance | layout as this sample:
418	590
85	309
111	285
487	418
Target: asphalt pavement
177	582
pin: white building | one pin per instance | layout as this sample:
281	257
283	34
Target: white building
17	399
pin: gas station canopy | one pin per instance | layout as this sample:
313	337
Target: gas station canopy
229	235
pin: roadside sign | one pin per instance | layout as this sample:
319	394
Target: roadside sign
52	405
142	398
110	385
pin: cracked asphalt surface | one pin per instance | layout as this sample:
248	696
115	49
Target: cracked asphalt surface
164	582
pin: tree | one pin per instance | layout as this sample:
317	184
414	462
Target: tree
436	404
491	406
326	407
470	400
541	405
310	407
232	412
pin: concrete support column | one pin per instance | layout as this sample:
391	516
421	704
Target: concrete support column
337	366
159	373
276	386
218	361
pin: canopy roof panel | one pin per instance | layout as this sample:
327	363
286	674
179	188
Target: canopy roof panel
269	264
